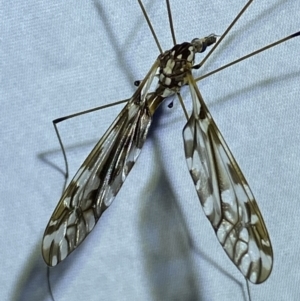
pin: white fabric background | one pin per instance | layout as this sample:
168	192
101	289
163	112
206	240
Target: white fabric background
154	242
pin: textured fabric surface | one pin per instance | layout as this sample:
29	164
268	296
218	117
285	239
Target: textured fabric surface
154	242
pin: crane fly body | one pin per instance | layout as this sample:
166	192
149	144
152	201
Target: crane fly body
223	191
102	174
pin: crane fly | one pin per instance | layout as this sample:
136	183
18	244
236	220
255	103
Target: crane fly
222	189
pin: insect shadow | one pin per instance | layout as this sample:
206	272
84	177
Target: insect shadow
166	244
32	283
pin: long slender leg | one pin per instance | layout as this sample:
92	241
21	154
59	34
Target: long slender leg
171	21
150	26
248	289
294	35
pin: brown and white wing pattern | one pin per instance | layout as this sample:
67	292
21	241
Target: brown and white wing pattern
224	193
99	178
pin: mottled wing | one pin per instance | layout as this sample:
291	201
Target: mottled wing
225	195
99	178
